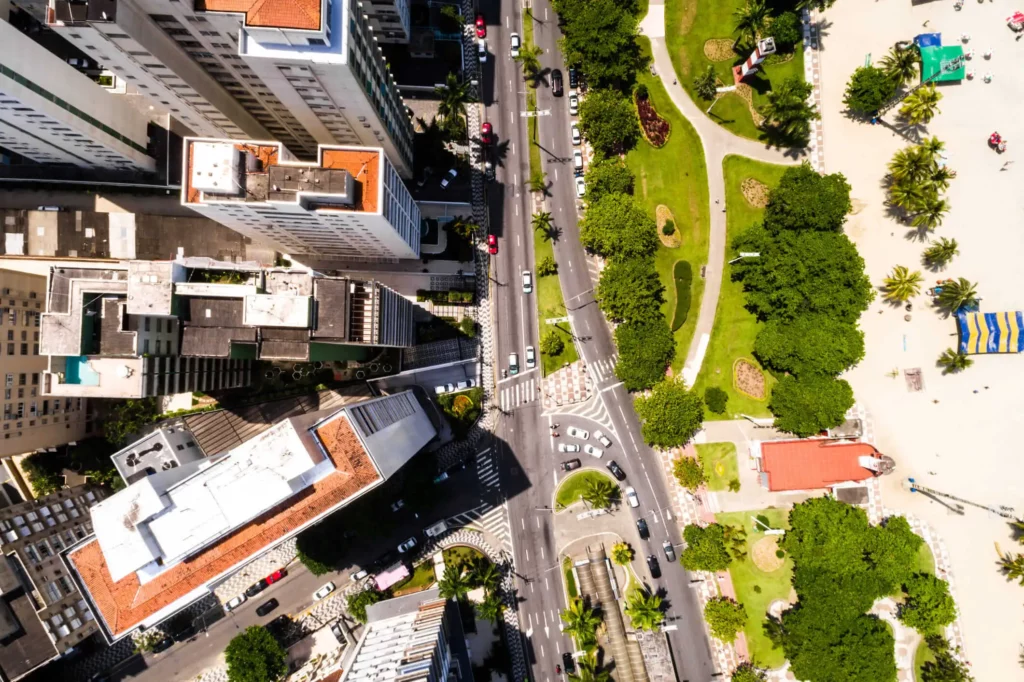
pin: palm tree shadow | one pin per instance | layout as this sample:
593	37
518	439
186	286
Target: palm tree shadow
540	77
500	153
918	234
908	133
822	27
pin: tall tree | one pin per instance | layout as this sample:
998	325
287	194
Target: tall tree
900	64
705	548
581	622
688	472
451	109
941	251
807	405
705	84
869	88
930	213
600	36
541	222
483	573
644	610
751	19
587	670
645	350
608	121
608	176
929	605
454	584
529	58
787	112
952	361
810	344
725	618
958	293
902	284
946	667
357	603
806	200
622	553
618	226
670	415
599	493
491	607
921	105
630	290
1013	566
255	656
748	672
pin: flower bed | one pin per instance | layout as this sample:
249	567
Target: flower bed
654	127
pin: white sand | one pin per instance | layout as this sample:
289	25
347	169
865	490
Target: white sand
969	440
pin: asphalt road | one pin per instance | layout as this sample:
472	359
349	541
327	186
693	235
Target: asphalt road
530	466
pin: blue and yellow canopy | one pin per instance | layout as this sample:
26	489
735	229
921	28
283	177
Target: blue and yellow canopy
991	332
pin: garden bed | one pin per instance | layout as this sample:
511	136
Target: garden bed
748	379
462	409
682	279
655	128
663	216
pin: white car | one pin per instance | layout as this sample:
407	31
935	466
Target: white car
323	592
515	43
592	451
448	177
481	50
577	139
581	187
603	439
577	433
443	388
568	447
235	603
531	357
527	282
574	104
631	497
407	545
577	159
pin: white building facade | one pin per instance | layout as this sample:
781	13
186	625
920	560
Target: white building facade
51	113
304	72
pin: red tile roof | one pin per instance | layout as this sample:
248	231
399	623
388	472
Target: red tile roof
299	14
810	464
126	603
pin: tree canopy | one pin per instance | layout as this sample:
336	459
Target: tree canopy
946	667
255	656
670	415
618	226
608	121
688	472
725	618
600	36
705	548
608	176
807	405
807	200
645	349
869	88
630	290
929	605
358	602
810	344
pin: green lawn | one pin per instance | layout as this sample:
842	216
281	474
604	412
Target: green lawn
925	560
573	485
922	655
746	576
570	579
719	462
675	175
461	555
689	25
735	328
421	578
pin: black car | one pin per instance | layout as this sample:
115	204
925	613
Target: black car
256	588
571	464
641	527
278	627
163	645
338	634
616	470
652	563
568	664
556	83
268	606
574	80
185	634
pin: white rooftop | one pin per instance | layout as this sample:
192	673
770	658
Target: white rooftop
278	310
215	167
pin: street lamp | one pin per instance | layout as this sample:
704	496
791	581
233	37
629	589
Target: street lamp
747	254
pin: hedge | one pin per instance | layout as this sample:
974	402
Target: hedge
682	273
444	296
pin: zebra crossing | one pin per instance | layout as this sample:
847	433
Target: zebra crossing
603	368
593	409
487	468
516	395
486	519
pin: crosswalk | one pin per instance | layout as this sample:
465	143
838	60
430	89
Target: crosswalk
603	368
487	468
488	519
515	395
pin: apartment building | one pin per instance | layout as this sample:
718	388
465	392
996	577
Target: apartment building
350	204
304	72
31	421
51	113
42	612
390	20
162	542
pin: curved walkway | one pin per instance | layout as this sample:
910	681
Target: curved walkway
718	143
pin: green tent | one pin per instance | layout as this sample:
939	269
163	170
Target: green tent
947	61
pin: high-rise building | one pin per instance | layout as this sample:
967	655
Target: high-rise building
305	72
350	204
51	113
390	20
31	420
166	539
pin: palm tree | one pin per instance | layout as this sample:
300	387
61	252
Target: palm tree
910	164
491	607
706	84
751	19
736	537
454	584
953	361
529	58
906	195
622	553
452	107
901	64
787	110
483	573
940	177
600	492
941	251
932	147
902	284
957	293
581	622
588	671
542	221
463	227
1013	566
644	610
1017	526
931	213
921	105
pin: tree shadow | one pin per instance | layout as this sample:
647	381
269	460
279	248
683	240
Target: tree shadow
909	133
821	27
539	77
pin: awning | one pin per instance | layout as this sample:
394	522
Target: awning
991	332
947	61
928	39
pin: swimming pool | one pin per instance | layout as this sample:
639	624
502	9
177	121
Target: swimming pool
77	371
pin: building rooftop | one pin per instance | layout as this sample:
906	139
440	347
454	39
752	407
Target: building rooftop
814	463
295	14
157	451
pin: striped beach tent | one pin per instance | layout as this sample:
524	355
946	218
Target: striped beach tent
991	332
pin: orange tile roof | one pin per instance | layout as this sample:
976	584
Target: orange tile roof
810	464
299	14
126	603
363	166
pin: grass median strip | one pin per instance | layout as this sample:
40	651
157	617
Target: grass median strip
572	487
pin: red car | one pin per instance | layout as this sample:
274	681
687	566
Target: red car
481	27
274	577
492	244
486	133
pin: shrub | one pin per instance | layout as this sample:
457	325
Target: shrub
552	344
787	29
716	399
669	228
688	472
468	327
682	275
869	88
725	618
547	266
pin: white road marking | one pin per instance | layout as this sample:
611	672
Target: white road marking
542	651
518	241
542	551
511	117
537	519
556	175
554	474
570	265
517	209
510	85
513	149
545	14
531	587
527	555
608	388
506	21
586	323
523	521
547	586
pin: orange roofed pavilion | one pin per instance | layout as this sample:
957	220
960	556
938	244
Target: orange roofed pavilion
815	463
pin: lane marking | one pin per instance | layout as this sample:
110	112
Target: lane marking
527	555
511	118
608	388
556	175
513	149
517	213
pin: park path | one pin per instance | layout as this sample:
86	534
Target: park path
718	143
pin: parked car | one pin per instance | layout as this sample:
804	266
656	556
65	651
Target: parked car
186	633
492	244
338	634
256	588
235	602
486	133
631	497
577	433
444	388
527	282
436	529
652	563
568	447
574	131
448	177
603	439
359	575
577	160
464	385
275	576
531	357
581	187
397	504
592	451
571	464
513	363
481	50
323	592
278	627
163	645
616	470
670	551
568	664
407	545
427	172
574	104
574	80
556	83
641	528
514	44
481	26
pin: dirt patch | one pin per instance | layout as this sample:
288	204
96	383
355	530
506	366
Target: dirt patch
857	206
763	554
746	93
755	192
719	50
643	182
689	13
662	214
748	379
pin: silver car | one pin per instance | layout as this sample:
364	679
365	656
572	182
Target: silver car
592	451
514	44
603	439
568	447
574	104
577	433
574	130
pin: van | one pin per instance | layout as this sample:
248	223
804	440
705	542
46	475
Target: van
436	529
513	363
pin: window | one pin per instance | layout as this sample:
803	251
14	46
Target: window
22	378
